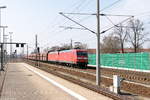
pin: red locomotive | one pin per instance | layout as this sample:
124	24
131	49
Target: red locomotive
73	57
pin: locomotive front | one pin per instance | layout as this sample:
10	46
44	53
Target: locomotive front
82	57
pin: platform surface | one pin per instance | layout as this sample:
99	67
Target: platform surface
23	82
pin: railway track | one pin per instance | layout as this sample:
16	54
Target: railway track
134	87
138	77
129	76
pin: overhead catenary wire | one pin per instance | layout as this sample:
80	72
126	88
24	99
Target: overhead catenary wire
100	14
81	20
77	10
110	5
115	25
85	28
77	6
100	10
65	27
120	23
110	20
77	23
55	22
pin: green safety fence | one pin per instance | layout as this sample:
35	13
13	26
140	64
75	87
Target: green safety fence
127	60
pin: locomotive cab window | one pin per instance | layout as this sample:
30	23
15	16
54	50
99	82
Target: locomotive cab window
82	53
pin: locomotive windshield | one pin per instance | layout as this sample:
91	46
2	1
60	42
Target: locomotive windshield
82	53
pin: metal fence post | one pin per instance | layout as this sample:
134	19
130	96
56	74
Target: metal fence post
2	66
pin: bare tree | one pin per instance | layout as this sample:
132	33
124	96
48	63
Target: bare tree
46	49
110	44
79	45
54	48
137	36
121	32
65	47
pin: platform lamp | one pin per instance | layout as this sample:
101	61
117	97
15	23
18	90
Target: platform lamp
1	7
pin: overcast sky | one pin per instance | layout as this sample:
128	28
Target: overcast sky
25	18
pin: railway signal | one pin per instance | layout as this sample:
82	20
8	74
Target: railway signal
2	51
17	44
22	45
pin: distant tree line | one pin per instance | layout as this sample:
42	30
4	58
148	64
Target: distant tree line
78	45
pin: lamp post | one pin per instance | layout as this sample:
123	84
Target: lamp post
1	7
3	51
2	67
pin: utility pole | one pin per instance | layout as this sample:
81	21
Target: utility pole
98	63
98	40
98	14
98	45
71	44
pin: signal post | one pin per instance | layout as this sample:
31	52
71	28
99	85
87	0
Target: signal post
2	52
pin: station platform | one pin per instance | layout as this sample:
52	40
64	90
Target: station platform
25	82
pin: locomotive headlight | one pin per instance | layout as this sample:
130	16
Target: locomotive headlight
85	58
79	58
